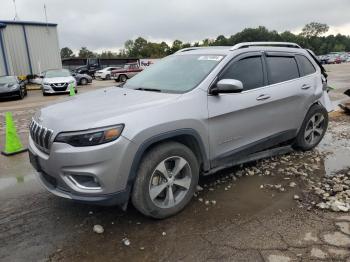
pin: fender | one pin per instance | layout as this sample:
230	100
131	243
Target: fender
161	137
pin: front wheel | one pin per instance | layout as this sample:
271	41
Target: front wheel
166	180
313	128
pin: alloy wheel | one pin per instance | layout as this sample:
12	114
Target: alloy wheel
314	129
170	182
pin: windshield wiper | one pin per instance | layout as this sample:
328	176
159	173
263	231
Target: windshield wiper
148	89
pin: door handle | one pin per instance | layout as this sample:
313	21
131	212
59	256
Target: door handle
305	86
263	97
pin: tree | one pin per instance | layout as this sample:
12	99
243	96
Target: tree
66	52
85	53
314	29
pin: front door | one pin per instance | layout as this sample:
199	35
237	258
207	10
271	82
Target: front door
237	121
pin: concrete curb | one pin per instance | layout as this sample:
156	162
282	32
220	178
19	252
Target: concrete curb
31	87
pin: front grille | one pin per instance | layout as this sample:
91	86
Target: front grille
40	135
59	86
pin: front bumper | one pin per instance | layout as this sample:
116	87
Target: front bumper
49	90
11	93
109	164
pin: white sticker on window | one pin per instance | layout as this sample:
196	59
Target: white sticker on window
210	57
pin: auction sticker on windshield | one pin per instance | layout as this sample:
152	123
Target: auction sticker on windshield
210	57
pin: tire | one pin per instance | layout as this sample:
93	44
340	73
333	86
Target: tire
83	81
123	78
313	128
150	180
108	77
21	94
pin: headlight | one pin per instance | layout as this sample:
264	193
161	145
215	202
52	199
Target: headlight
90	137
46	84
12	86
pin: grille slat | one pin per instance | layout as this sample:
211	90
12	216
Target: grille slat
40	135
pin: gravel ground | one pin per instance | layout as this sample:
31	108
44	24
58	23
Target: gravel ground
265	211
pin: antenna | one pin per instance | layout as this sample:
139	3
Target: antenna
16	15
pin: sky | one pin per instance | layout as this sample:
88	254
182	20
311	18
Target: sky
106	25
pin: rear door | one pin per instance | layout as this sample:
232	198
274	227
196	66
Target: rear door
293	94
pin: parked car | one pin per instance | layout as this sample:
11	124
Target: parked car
334	60
11	86
126	72
105	74
190	114
57	81
82	79
323	59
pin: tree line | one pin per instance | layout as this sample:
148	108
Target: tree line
311	37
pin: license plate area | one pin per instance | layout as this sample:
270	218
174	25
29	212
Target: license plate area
34	160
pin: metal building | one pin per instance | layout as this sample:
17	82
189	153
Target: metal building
28	48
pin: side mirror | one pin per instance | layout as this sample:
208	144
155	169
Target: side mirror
41	76
226	86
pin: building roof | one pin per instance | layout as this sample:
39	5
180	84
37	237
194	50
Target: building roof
4	23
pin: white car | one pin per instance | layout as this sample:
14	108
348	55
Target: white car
57	81
105	73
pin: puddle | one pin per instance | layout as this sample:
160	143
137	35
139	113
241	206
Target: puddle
337	149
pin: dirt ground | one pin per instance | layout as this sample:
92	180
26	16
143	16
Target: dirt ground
263	211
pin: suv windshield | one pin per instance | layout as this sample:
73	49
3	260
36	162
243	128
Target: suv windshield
57	73
175	74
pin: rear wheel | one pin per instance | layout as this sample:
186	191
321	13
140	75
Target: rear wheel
83	81
313	128
123	78
166	180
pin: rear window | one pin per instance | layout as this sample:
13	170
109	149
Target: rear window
305	66
281	69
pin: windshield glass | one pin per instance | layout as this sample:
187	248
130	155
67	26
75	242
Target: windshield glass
175	74
57	73
8	80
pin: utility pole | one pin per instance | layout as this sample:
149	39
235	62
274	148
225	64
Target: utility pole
16	15
47	26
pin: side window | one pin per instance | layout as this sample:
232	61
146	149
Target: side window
305	66
281	68
248	70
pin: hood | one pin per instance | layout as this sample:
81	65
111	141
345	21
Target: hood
99	108
54	80
6	87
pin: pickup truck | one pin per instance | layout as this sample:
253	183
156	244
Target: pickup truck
126	72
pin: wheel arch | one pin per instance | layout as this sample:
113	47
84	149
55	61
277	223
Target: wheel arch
187	137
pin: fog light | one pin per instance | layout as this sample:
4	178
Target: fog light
83	183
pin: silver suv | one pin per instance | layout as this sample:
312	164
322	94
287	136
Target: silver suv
190	114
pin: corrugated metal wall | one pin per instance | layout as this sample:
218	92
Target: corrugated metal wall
30	49
4	56
2	61
43	47
15	42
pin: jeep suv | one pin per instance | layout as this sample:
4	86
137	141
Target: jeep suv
192	113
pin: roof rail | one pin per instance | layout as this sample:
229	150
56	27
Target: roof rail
188	49
248	44
202	47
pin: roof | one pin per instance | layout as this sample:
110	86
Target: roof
4	23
